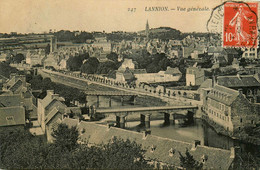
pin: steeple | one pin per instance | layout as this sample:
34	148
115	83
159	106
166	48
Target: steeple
147	30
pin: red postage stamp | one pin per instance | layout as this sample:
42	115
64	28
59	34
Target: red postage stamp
240	25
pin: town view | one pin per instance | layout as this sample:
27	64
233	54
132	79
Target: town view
156	98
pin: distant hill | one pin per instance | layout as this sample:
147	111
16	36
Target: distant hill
163	33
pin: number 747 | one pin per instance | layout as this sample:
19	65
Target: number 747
131	9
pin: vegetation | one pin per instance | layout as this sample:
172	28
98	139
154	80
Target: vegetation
188	162
76	37
6	69
69	93
74	63
21	150
90	66
18	58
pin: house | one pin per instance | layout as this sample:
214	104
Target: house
214	51
48	108
230	109
171	74
51	110
103	44
162	151
16	84
248	84
127	63
229	54
16	91
35	57
250	53
195	76
12	118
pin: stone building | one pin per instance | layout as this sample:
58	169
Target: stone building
195	76
249	84
230	109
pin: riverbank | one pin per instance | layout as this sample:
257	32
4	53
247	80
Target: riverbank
241	136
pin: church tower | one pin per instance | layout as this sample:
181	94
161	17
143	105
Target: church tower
147	30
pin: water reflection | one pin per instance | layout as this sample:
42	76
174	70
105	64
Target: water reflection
199	130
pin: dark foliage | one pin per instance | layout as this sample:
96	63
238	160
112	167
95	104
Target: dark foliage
21	150
188	162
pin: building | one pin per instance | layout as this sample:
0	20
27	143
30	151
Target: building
147	30
48	108
34	57
103	44
16	92
230	109
248	84
160	151
51	110
250	53
127	63
12	118
195	76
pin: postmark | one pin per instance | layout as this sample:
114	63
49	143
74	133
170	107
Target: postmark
240	25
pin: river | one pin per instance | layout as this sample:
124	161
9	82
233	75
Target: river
199	130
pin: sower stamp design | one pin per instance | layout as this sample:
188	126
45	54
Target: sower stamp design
240	25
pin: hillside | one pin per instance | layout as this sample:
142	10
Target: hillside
163	33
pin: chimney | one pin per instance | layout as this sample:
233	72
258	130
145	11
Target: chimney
55	96
50	92
234	151
238	76
146	133
240	91
195	144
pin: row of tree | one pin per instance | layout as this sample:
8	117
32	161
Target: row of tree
91	65
70	94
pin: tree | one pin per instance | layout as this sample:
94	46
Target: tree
123	154
90	66
74	63
189	162
242	62
112	56
66	137
106	67
18	58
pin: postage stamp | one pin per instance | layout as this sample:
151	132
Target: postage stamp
240	25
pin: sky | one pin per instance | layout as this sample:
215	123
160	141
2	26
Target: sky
26	16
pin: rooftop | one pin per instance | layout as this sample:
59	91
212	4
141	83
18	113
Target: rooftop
98	134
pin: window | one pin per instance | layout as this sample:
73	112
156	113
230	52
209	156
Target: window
241	120
9	118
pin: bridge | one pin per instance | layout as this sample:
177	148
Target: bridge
110	94
145	113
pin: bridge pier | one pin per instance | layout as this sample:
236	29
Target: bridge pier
122	100
110	101
145	120
169	119
97	101
120	121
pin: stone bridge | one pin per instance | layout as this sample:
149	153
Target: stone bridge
145	113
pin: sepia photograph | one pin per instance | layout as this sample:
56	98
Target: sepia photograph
129	84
